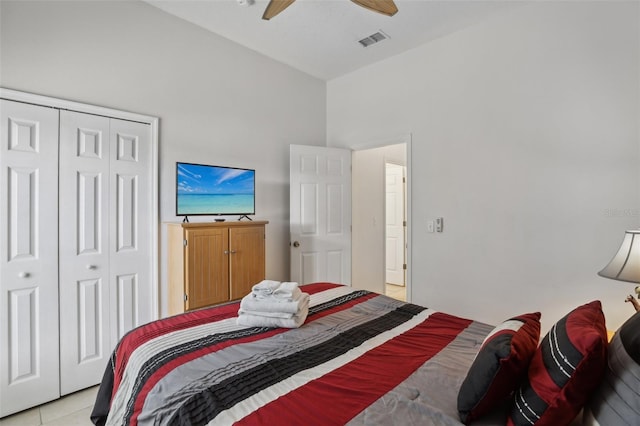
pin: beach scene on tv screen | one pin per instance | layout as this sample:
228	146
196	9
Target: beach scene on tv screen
214	190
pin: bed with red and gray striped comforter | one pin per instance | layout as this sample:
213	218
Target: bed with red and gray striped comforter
360	358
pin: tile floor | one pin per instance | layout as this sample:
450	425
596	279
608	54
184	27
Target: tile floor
396	291
71	410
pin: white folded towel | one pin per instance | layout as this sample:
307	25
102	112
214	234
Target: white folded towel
286	290
251	320
303	303
251	303
278	296
265	287
266	314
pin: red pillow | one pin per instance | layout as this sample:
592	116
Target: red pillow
567	366
499	367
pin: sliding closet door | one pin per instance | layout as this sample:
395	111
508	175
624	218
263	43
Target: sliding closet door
130	226
85	340
28	256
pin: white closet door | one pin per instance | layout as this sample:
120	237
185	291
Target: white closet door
131	226
105	240
85	341
28	256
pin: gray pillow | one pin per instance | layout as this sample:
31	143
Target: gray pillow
617	399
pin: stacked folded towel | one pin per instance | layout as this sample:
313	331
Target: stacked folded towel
264	288
274	304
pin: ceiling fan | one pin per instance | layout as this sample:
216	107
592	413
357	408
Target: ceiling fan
386	7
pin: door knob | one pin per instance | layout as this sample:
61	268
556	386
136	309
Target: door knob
91	267
296	244
23	275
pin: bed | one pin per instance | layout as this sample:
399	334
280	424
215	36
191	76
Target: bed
360	358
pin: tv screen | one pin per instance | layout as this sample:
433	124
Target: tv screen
214	190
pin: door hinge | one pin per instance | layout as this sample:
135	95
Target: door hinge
185	297
404	223
184	242
404	266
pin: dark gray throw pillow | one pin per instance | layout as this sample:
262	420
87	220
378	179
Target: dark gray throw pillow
617	399
499	366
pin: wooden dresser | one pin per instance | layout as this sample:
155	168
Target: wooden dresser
214	262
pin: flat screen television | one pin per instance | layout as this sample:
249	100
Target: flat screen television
214	190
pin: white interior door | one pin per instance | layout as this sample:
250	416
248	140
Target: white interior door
105	240
28	256
131	207
84	249
320	214
395	220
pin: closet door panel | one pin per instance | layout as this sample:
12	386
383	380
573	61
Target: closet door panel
28	256
131	230
84	249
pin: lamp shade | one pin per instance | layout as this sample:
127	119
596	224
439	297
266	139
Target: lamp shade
625	265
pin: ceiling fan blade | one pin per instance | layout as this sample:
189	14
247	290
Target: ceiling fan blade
274	7
386	7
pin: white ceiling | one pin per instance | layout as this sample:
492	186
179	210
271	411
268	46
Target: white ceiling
320	37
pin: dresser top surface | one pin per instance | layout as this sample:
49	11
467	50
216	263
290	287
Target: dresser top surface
226	224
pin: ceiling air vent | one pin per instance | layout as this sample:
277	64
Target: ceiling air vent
373	39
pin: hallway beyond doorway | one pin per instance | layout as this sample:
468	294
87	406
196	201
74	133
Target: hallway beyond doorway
396	291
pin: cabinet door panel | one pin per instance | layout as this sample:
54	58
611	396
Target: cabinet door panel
207	267
28	256
247	261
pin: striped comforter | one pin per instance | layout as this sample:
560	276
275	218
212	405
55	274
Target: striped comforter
360	358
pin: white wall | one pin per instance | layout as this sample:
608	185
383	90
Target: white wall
525	138
525	133
218	103
368	214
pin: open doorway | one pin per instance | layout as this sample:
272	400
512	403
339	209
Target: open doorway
369	217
